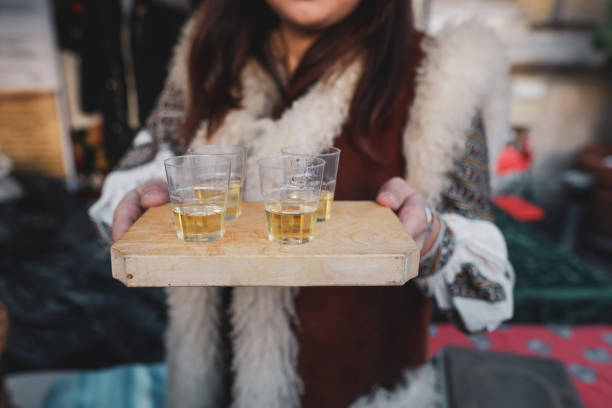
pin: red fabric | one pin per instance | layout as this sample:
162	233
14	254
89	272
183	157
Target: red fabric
512	160
585	351
519	208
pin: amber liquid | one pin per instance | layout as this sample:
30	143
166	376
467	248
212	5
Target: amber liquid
209	194
199	222
290	222
325	206
234	198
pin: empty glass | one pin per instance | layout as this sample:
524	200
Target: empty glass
238	156
198	187
291	189
331	156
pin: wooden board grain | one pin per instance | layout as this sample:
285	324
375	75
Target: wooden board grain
363	244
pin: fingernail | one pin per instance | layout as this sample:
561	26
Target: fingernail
391	197
150	194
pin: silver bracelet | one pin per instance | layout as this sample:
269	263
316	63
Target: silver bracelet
429	217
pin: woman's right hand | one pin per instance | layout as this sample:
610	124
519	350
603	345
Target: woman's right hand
151	194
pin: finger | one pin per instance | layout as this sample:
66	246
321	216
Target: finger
153	193
126	213
412	215
154	198
394	192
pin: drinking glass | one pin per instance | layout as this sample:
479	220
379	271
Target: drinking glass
291	188
331	156
238	155
198	187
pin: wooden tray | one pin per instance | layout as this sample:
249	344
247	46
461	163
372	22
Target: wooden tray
363	244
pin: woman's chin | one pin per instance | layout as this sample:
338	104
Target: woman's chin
314	14
307	22
306	26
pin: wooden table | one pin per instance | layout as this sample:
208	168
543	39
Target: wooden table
363	244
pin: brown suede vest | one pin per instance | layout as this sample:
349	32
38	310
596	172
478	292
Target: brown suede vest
353	338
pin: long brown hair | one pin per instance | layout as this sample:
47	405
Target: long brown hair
228	32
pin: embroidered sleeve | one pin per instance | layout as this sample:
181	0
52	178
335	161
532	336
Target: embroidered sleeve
165	121
472	279
468	192
467	270
162	128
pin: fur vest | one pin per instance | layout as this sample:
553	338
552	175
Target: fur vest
463	74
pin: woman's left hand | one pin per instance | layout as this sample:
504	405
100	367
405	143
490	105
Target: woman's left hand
409	205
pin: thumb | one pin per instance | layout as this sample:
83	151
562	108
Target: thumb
153	193
393	193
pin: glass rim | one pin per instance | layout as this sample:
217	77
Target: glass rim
169	161
238	149
261	162
333	150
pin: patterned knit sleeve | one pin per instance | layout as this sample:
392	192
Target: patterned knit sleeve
468	191
467	270
162	130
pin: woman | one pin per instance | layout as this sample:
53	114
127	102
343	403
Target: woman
405	111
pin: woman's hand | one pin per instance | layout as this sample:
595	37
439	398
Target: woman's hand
409	205
134	203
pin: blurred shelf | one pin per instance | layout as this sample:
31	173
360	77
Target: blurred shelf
546	47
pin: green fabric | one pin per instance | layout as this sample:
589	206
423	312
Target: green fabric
553	285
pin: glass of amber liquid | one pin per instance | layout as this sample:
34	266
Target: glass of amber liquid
331	156
198	187
238	155
291	189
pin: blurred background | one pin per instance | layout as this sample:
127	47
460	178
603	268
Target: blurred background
79	77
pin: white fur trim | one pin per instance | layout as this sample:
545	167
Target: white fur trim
265	355
416	390
265	348
302	123
464	73
193	348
